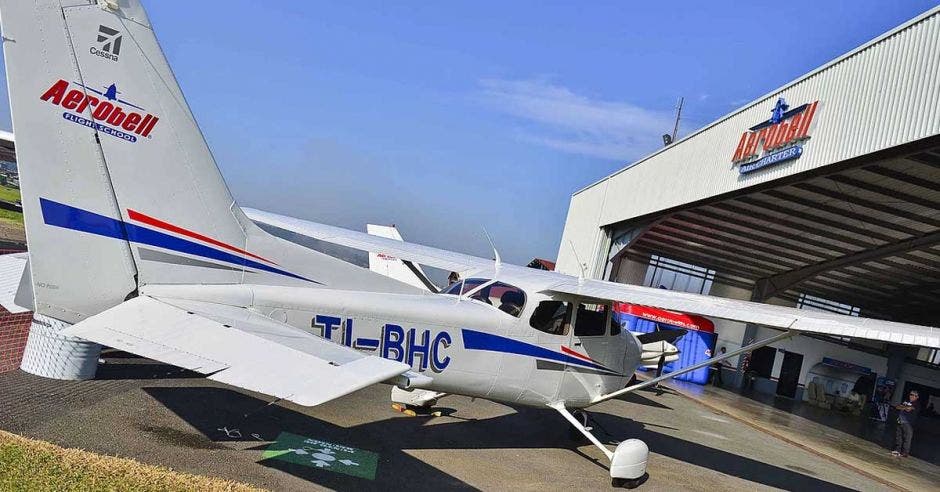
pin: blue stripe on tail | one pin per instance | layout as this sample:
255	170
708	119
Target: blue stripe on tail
61	215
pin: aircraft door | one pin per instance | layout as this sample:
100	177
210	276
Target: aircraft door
592	348
550	323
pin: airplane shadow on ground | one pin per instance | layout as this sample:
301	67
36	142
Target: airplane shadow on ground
210	409
636	397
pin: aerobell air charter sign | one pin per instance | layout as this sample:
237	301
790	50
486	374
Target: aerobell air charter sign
776	140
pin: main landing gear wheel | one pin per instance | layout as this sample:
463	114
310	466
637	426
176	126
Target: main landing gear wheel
583	418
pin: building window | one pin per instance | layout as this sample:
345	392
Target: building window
929	356
679	276
813	303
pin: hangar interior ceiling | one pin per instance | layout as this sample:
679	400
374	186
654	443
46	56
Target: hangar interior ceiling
867	235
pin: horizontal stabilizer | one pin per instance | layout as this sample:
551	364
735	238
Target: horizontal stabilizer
12	267
237	347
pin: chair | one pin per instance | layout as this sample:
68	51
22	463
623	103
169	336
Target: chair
511	302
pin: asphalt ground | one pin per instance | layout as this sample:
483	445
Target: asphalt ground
160	415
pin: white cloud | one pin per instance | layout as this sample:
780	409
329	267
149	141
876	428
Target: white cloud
556	117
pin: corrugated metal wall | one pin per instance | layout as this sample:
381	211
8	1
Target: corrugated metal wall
881	95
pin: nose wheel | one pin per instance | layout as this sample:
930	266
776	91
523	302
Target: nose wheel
627	462
583	418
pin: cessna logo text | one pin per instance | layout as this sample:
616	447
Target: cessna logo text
776	140
111	43
108	113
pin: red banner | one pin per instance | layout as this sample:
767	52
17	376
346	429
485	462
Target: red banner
687	321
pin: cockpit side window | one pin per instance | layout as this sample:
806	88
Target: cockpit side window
591	320
553	317
508	298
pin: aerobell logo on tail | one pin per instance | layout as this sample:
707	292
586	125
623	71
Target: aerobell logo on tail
110	43
110	114
776	140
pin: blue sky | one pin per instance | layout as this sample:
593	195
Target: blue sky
447	117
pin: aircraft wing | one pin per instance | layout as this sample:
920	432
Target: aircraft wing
238	347
781	317
416	253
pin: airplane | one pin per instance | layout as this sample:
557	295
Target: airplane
136	243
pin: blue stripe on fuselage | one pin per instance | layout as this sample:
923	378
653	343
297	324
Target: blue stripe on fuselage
61	215
477	340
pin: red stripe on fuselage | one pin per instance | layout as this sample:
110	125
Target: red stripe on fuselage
146	219
580	356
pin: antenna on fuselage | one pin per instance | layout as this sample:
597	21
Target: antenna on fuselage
492	245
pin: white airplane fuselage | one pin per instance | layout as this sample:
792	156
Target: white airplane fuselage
465	346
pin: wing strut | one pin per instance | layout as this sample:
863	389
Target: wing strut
748	348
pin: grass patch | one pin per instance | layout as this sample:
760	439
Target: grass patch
28	464
11	217
9	194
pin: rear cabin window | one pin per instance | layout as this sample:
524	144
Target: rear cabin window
614	325
553	317
591	320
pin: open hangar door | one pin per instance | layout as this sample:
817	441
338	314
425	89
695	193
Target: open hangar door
860	237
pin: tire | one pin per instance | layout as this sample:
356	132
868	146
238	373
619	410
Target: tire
624	483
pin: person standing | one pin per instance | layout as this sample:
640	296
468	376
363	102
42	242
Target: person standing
907	415
749	375
716	370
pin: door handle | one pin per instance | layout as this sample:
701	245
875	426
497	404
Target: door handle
577	344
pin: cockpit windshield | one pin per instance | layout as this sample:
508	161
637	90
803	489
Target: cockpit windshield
459	288
508	298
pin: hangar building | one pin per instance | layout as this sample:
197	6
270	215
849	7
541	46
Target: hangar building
823	194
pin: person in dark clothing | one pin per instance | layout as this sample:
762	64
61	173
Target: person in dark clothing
716	370
907	415
750	375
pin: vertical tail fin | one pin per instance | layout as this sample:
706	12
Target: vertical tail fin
118	184
119	188
389	266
